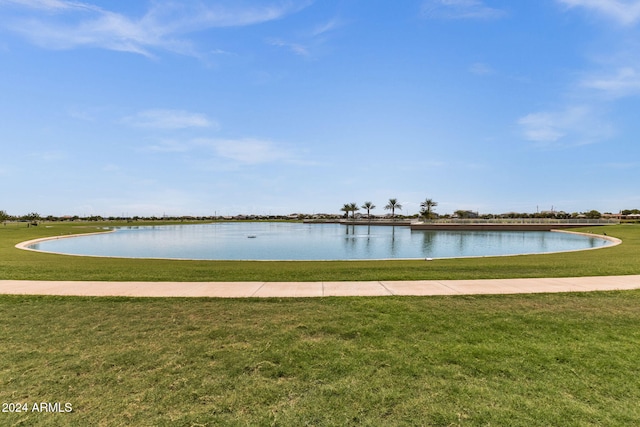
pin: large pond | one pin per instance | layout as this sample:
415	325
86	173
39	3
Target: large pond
297	241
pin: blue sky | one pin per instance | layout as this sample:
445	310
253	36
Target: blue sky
274	107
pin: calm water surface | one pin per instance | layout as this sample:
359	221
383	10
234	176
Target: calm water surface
296	241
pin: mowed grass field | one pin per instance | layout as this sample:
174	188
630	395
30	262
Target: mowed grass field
516	360
502	360
18	264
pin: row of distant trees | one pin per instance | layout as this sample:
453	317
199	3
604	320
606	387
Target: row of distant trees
426	208
4	216
426	211
630	212
592	214
35	217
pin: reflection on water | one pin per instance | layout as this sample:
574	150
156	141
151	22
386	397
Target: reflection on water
474	243
428	243
296	241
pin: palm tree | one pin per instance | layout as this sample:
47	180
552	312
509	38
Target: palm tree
393	205
346	208
368	206
350	207
427	207
353	207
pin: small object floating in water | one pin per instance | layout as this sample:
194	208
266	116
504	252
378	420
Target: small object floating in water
251	236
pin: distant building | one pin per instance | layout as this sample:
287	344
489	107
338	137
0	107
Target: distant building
465	214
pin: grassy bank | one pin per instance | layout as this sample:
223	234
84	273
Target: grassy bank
534	360
18	264
516	360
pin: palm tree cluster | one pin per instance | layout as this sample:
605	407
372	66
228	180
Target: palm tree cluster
350	207
393	204
427	208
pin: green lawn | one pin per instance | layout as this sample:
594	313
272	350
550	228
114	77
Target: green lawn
17	264
502	360
516	360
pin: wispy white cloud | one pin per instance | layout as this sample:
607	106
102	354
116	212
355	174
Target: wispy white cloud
235	152
170	146
296	48
587	122
51	5
326	27
169	119
49	156
110	167
248	151
481	69
541	127
307	42
621	83
622	165
103	29
620	57
194	15
623	12
576	125
162	27
460	9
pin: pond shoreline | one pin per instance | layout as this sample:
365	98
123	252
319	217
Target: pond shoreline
351	239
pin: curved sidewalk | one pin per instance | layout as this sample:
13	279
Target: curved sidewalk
319	289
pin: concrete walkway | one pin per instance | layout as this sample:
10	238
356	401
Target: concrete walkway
320	289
